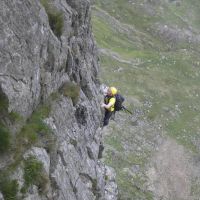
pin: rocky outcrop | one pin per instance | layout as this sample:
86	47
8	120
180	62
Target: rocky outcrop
111	186
43	45
176	36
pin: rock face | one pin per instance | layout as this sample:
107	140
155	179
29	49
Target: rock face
34	61
37	56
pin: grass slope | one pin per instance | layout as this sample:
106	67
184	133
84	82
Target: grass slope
159	81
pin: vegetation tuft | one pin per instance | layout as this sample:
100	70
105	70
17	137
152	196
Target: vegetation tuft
56	23
4	139
15	117
34	174
35	127
71	90
35	131
56	20
9	188
6	119
3	101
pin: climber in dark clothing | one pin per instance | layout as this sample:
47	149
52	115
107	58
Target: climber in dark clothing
109	103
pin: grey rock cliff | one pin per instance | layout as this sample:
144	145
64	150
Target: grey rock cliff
34	63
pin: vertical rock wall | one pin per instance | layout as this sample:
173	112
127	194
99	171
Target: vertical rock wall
34	63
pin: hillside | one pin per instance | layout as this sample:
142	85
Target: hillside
49	103
149	50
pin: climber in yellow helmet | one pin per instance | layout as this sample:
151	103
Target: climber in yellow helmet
109	103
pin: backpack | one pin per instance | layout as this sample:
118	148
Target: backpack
119	100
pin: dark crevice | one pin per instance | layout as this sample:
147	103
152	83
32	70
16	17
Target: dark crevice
90	153
87	91
4	103
49	64
62	158
95	188
81	115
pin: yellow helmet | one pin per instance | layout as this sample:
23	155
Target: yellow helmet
113	90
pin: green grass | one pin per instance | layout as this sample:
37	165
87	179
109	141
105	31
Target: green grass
108	38
35	132
121	39
126	12
71	90
135	14
5	139
34	174
195	190
185	127
165	85
122	159
35	127
8	187
15	117
3	101
132	187
129	185
144	22
6	119
56	23
160	81
56	20
115	142
9	190
185	11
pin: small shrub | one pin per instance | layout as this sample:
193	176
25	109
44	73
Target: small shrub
56	20
151	116
28	135
35	126
4	139
71	90
15	117
35	131
9	188
32	171
94	187
49	142
106	178
73	142
55	96
33	174
3	101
